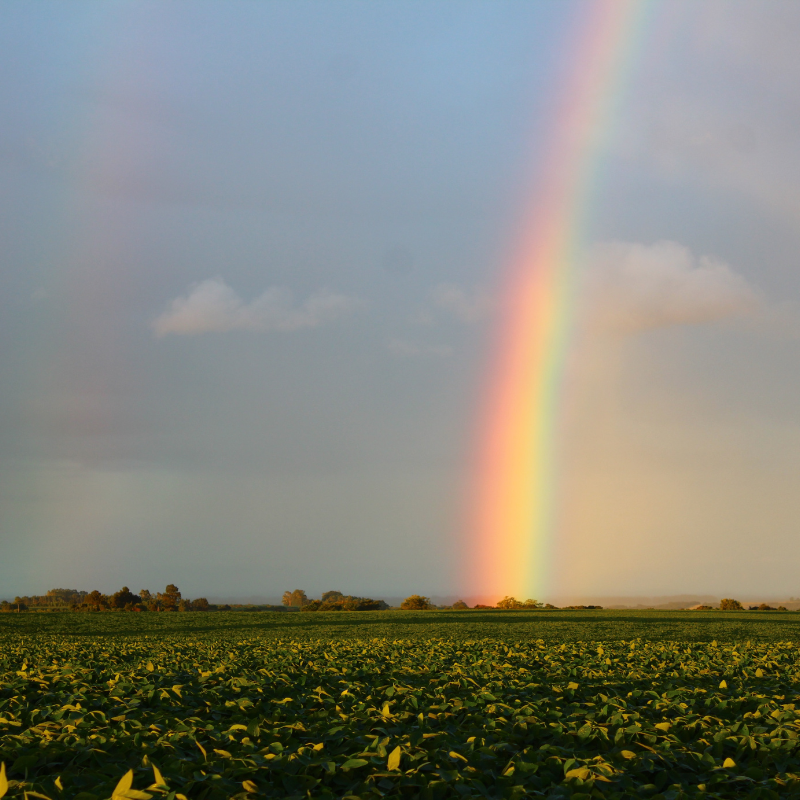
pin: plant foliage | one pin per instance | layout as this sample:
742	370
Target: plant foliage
304	707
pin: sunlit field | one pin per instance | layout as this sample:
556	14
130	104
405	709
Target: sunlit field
400	704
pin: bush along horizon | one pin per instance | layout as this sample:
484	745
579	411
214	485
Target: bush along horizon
123	600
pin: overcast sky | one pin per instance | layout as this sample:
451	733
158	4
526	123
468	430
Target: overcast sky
249	254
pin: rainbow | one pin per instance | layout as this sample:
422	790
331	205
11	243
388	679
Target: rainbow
514	511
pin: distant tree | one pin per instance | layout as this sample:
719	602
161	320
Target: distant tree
727	604
295	599
124	597
368	604
417	602
170	598
765	607
97	599
532	604
481	606
345	603
145	595
62	597
329	596
299	598
200	604
459	605
509	603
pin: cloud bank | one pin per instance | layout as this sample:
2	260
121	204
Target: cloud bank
633	287
212	306
466	306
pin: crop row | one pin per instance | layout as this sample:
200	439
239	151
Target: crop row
390	718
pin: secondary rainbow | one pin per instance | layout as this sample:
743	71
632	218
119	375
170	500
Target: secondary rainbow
515	506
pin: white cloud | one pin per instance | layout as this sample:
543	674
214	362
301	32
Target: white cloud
631	287
407	349
212	306
466	306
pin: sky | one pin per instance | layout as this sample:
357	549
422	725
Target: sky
250	256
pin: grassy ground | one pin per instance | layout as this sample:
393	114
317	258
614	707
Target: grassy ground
552	626
400	704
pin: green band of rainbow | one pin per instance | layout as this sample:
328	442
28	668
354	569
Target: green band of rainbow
515	509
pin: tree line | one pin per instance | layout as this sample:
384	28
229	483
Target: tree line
729	604
336	601
332	601
170	599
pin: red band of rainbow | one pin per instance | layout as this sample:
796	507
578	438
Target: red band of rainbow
514	510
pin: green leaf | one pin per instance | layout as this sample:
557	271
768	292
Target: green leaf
125	783
158	778
393	762
581	772
124	789
354	763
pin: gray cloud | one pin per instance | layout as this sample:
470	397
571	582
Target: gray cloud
212	306
726	120
466	305
409	349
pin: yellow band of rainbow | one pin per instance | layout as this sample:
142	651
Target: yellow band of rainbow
514	506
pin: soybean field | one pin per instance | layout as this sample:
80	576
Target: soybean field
601	704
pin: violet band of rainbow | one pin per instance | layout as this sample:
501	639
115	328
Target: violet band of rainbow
514	507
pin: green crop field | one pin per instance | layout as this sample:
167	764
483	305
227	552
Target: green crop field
400	704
